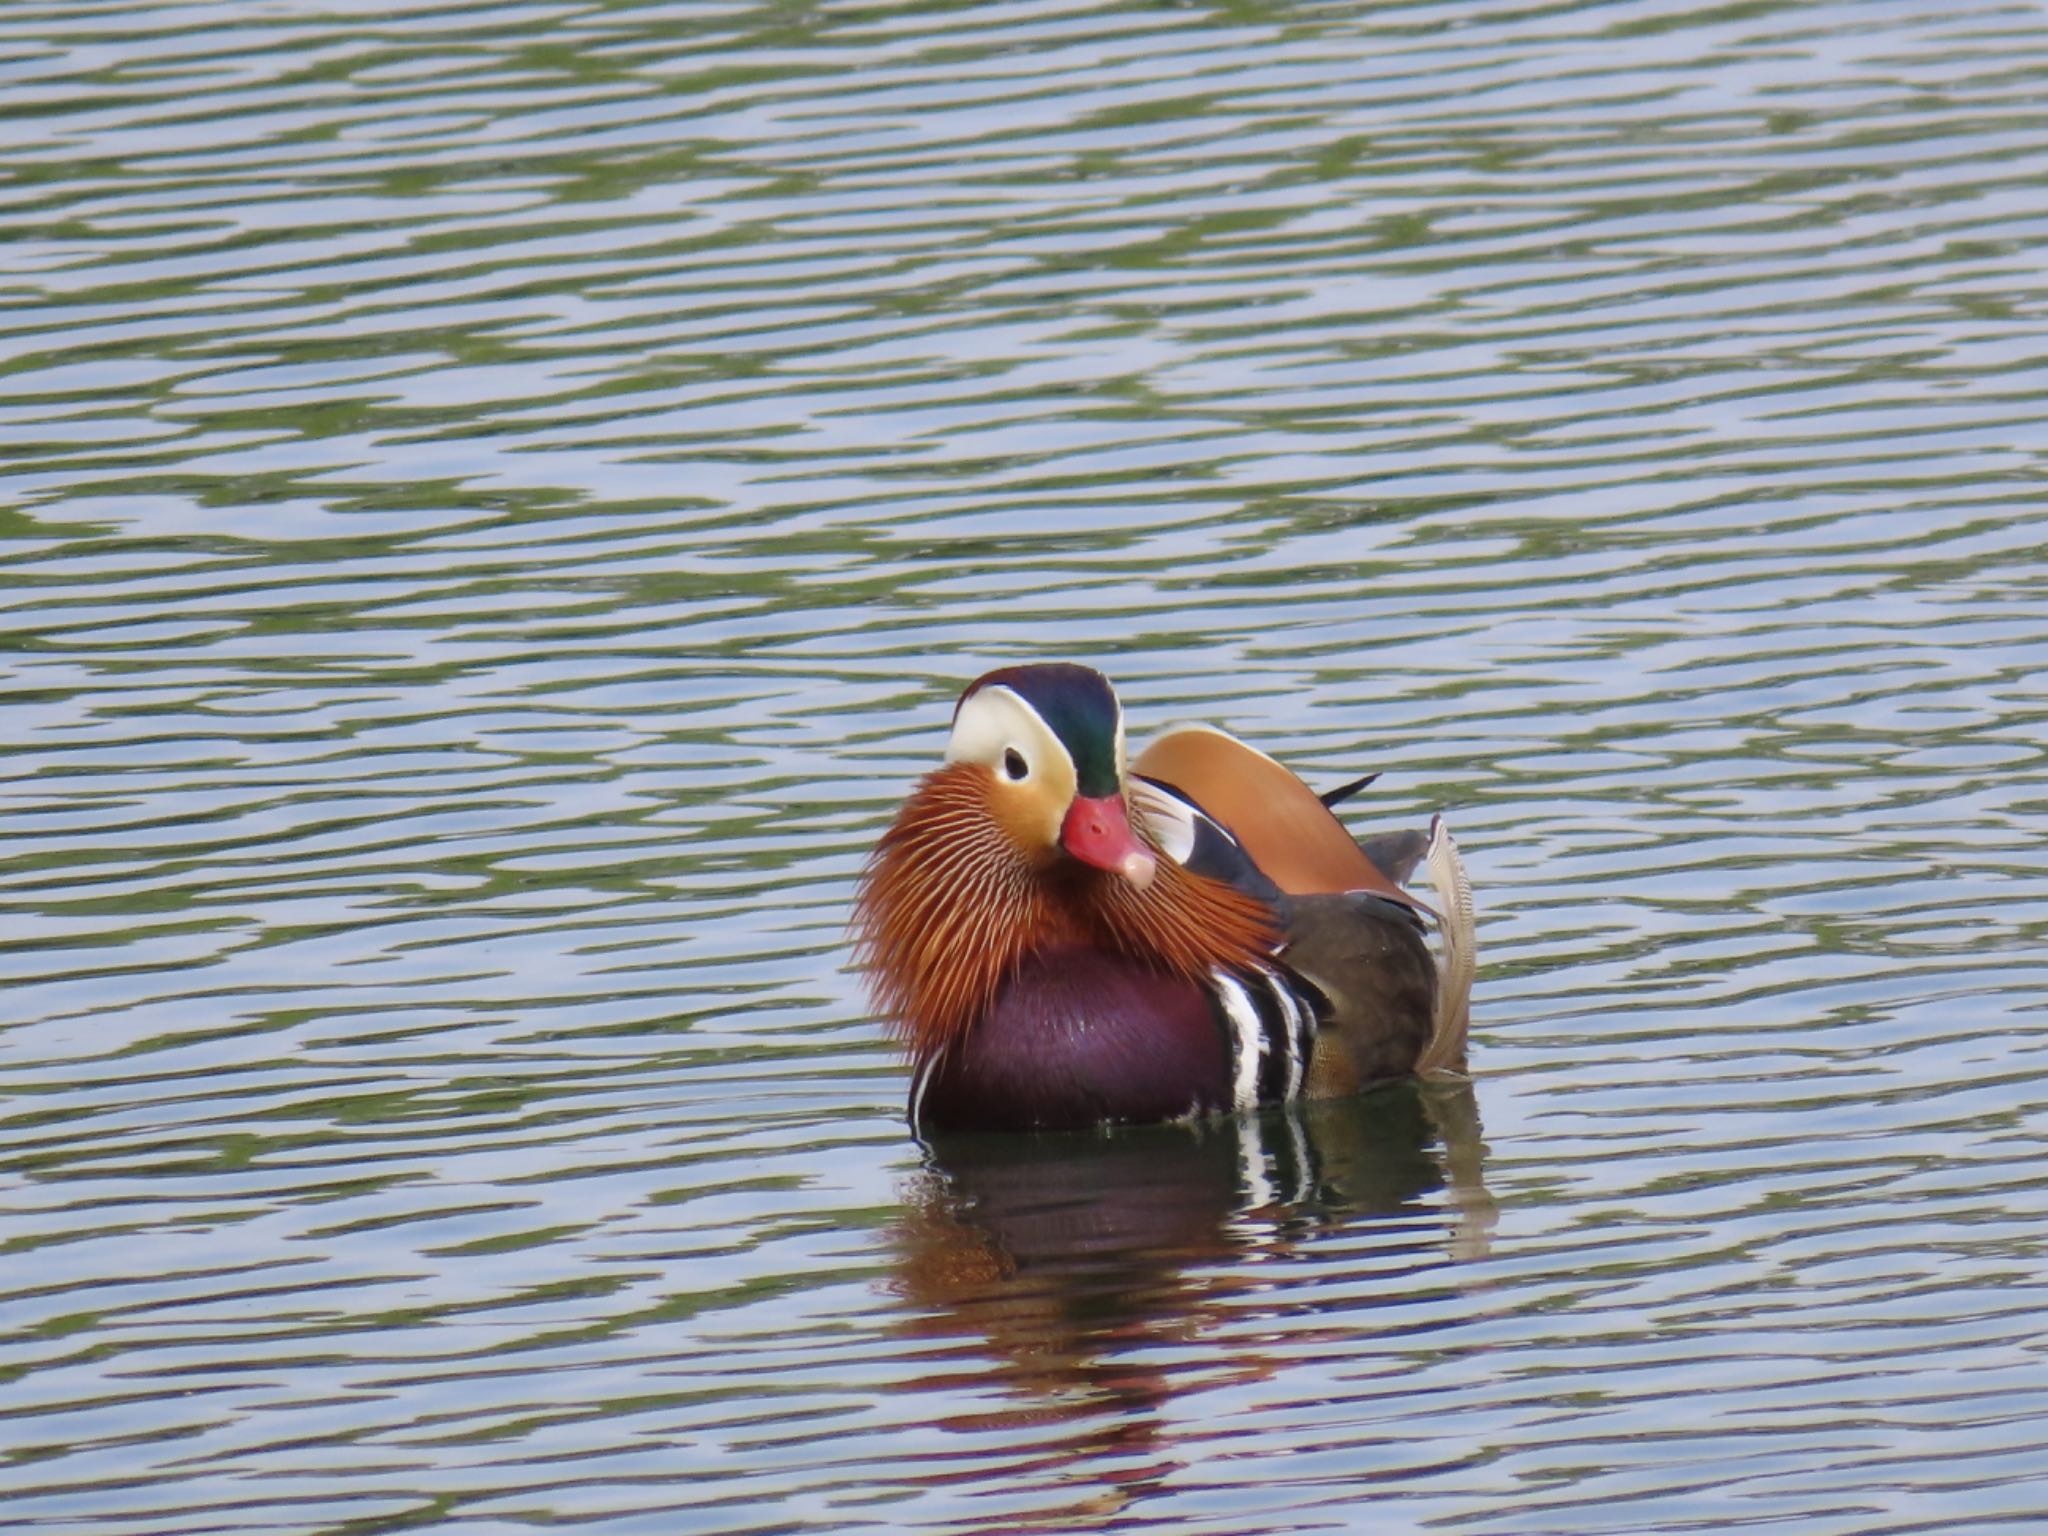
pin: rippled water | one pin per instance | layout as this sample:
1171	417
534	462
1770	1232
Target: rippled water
496	501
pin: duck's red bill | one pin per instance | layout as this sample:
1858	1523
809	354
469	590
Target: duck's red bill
1099	832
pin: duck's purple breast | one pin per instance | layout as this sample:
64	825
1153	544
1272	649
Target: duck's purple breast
1079	1038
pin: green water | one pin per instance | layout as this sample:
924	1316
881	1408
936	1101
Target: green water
496	502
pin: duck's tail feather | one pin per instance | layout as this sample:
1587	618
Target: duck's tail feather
1395	854
1458	959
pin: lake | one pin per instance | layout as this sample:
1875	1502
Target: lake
497	502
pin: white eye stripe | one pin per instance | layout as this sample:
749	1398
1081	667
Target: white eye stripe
997	720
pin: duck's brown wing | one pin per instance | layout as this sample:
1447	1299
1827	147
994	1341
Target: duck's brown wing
1392	1006
1278	820
1352	932
1379	986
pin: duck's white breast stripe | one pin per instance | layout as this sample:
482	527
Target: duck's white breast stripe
1293	1047
1250	1041
919	1082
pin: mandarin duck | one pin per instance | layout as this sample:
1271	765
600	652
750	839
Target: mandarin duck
1064	939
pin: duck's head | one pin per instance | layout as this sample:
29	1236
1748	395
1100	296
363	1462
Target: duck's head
1023	841
1049	741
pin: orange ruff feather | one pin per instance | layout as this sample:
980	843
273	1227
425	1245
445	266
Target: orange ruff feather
950	905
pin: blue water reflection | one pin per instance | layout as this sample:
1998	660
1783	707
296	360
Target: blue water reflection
497	501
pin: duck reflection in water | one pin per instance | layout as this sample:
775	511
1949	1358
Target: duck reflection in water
1070	1256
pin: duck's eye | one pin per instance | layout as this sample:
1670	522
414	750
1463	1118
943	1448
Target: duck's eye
1014	764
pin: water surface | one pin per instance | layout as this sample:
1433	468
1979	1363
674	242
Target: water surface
496	502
